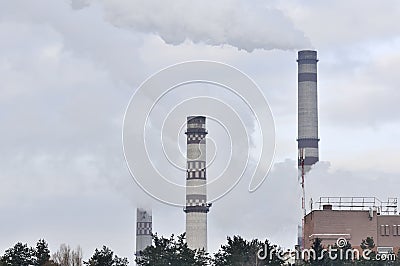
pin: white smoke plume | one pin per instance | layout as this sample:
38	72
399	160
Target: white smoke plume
245	25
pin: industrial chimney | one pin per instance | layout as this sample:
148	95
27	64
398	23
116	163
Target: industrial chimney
307	123
196	192
144	225
307	109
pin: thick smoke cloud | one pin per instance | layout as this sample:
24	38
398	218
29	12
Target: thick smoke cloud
247	26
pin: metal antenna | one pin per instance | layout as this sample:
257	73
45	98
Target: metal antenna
302	182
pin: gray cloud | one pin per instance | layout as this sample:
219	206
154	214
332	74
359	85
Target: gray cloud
324	181
339	23
79	4
365	92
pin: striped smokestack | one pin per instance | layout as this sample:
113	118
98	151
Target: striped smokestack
307	108
196	192
144	226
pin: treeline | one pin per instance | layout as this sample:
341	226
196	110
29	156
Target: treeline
164	251
346	255
23	255
237	251
175	251
240	252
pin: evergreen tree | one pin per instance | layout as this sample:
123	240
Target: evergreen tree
344	255
19	255
106	257
42	253
241	252
171	251
369	244
318	258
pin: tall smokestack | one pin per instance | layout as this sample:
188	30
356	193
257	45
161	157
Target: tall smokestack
196	193
307	108
144	227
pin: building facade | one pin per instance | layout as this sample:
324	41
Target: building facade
330	223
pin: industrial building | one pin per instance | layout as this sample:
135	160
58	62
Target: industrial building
354	219
351	218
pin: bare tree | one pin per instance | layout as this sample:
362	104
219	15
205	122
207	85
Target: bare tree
66	256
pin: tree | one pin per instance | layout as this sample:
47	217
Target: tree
19	255
345	255
66	256
42	253
105	257
369	244
241	252
171	251
397	262
317	258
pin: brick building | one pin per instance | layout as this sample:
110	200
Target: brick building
354	219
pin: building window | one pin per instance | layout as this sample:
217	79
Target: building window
395	230
387	232
385	250
382	230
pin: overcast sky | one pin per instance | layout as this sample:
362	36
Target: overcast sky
69	68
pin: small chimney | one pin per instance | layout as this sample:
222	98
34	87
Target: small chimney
327	207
